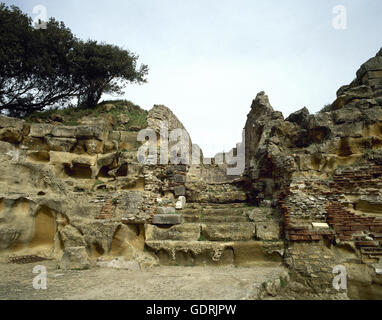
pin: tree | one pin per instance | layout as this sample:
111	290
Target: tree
103	68
35	68
41	68
15	64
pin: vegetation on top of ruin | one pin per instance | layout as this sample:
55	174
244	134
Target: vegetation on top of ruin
120	114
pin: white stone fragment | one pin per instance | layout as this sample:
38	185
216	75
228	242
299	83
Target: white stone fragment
182	199
179	205
378	270
320	225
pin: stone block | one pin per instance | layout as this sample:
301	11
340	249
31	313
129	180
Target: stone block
61	144
75	258
93	146
39	130
183	232
320	225
240	231
11	135
129	141
7	122
168	219
182	199
166	210
268	231
180	191
64	132
181	203
181	168
87	131
179	178
195	253
178	206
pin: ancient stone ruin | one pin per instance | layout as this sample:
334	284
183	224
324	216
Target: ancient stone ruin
310	197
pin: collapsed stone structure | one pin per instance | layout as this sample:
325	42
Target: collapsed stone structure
310	196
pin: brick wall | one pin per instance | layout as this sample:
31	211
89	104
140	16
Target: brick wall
331	196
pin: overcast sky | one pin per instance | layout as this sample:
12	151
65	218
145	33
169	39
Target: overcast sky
209	58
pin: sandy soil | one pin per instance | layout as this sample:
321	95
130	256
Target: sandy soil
173	283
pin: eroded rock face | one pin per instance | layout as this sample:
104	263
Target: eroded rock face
322	169
160	113
79	192
278	150
75	258
70	186
269	163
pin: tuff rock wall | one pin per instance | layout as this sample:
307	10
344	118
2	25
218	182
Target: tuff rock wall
324	172
65	186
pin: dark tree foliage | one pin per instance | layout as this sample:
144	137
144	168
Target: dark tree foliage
16	66
42	68
103	68
35	68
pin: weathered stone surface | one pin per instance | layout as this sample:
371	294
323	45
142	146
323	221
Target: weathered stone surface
166	210
300	117
61	144
64	132
75	258
39	130
268	231
159	115
180	191
179	178
168	219
128	141
90	132
72	237
315	179
243	253
119	263
250	253
192	252
12	135
183	232
199	191
268	224
8	122
229	231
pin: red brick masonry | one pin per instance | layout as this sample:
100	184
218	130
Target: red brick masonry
345	225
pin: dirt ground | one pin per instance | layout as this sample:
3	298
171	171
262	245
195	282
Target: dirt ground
172	283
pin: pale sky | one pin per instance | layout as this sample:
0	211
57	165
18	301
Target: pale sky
209	58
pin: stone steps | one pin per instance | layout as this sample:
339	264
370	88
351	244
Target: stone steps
217	235
211	218
218	205
214	212
238	231
371	254
219	214
224	219
193	253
